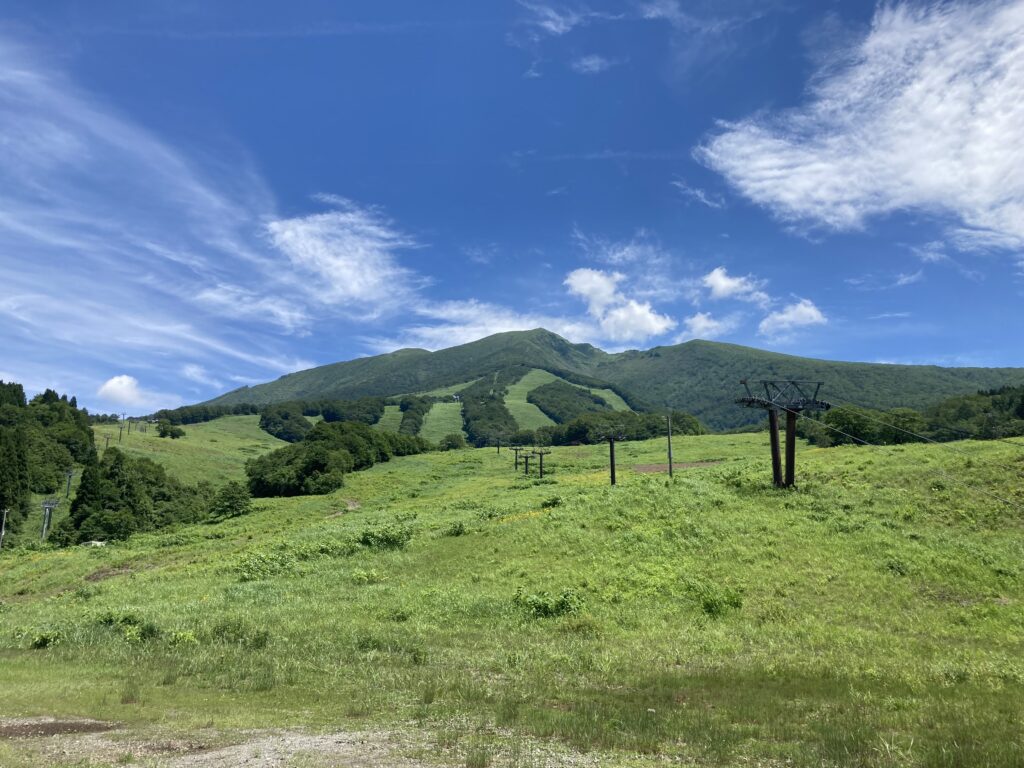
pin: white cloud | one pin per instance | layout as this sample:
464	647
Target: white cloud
552	20
923	114
124	391
800	314
698	194
598	288
722	285
909	279
451	323
200	375
620	318
592	64
351	254
704	326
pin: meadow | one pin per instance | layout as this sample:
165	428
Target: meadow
871	616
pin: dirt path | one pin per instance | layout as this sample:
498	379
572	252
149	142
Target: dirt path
53	743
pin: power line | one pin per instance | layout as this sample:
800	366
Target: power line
848	406
938	470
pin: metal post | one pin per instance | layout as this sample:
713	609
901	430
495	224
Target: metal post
120	432
773	438
611	458
540	460
129	426
106	444
3	527
790	448
526	463
670	444
69	474
499	445
48	506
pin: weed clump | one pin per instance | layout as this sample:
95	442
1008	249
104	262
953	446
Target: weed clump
253	566
235	630
716	601
387	536
46	639
544	605
457	528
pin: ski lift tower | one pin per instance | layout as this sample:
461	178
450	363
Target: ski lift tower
793	397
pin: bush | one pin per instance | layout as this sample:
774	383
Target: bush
164	428
387	536
232	500
452	442
544	605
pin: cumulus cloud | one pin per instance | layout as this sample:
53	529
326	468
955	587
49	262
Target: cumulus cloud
705	326
722	285
124	391
782	322
922	114
620	318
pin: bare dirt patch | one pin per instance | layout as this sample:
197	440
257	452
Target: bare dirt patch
351	505
109	573
24	728
675	465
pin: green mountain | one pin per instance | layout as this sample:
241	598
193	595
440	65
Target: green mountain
700	377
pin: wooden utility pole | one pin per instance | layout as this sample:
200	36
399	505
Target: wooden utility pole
669	417
107	444
611	458
120	431
790	396
526	463
540	460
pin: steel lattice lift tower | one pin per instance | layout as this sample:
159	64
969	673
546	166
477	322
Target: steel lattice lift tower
790	396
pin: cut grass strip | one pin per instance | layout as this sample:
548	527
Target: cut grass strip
442	419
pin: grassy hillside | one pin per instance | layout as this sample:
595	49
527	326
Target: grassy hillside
441	420
871	617
215	450
699	377
391	420
528	415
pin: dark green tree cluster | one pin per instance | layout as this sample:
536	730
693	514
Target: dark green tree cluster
989	414
564	402
365	410
848	425
626	425
164	428
196	414
285	422
120	495
414	410
483	407
318	464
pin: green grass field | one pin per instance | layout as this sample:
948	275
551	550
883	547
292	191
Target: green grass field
391	420
870	617
215	450
442	419
529	416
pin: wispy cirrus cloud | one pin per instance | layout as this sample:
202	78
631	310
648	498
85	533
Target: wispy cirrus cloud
698	195
922	114
121	252
592	64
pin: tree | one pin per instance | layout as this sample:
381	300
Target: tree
164	428
452	442
232	500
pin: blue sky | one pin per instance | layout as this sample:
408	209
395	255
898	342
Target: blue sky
197	195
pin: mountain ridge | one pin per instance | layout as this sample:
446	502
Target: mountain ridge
698	376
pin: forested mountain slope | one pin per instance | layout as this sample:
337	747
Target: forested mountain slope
700	377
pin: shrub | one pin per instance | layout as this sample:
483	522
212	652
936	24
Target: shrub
253	566
457	528
232	500
543	605
387	536
46	639
452	442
